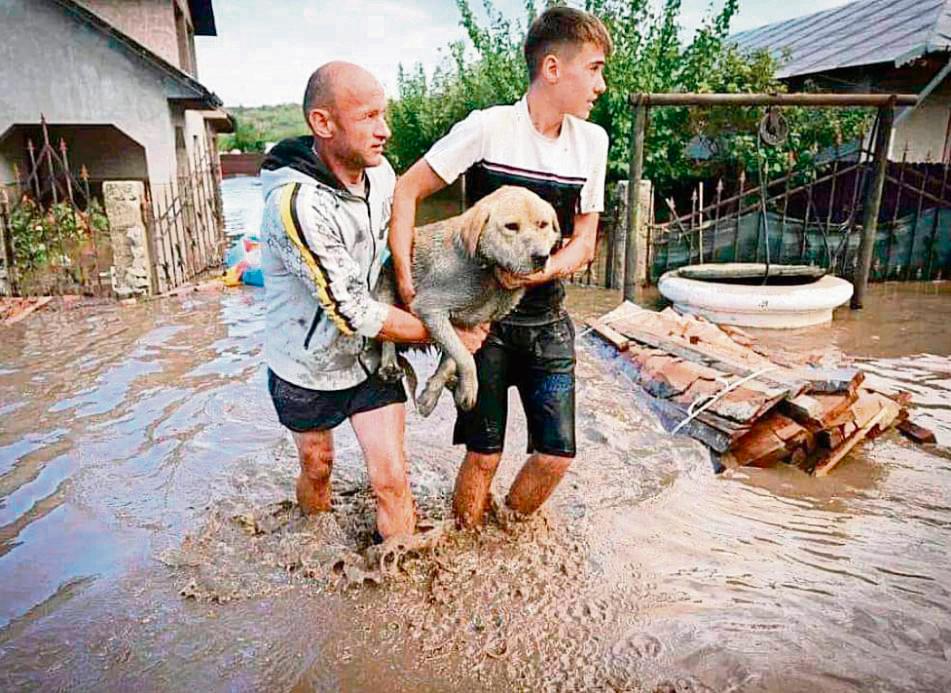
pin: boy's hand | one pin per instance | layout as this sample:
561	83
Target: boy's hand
472	337
509	281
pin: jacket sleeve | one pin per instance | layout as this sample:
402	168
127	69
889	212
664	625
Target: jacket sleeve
314	250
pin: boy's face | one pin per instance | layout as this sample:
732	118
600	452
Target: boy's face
581	79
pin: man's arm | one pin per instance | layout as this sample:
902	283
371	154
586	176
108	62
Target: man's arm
572	256
418	183
313	249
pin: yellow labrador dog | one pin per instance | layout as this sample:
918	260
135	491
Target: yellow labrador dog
454	271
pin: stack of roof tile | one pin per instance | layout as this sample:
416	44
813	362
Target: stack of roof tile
714	384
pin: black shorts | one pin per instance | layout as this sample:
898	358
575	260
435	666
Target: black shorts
302	410
540	362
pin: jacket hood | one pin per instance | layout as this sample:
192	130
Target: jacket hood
294	159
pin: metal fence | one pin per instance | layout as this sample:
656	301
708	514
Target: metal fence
54	234
815	219
185	224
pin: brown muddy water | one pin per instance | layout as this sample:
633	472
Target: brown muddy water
147	539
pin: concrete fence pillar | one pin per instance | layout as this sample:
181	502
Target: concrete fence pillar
642	270
132	265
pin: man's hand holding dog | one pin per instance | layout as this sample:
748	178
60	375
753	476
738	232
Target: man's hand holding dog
473	337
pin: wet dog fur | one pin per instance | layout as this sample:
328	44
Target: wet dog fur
454	272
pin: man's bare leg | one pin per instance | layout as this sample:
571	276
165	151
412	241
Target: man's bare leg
380	433
473	483
315	450
535	482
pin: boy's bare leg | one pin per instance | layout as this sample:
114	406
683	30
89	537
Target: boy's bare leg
535	482
473	483
315	451
380	433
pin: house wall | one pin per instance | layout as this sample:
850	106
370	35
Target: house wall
924	131
81	78
150	22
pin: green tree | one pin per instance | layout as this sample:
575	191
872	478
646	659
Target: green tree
649	56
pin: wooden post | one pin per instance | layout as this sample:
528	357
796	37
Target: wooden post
873	202
631	259
645	197
6	241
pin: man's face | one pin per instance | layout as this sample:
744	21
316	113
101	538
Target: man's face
581	79
359	124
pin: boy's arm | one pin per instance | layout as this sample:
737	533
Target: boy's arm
572	256
418	183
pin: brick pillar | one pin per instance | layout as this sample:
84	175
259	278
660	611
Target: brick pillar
131	266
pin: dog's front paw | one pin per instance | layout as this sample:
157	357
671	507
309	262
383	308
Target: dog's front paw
427	400
390	371
466	392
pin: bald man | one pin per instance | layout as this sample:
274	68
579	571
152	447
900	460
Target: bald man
327	209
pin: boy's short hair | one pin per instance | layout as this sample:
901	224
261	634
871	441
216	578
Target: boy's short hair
559	27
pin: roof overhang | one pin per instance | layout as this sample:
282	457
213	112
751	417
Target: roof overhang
179	86
220	119
203	17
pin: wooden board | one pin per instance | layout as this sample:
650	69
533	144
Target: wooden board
829	461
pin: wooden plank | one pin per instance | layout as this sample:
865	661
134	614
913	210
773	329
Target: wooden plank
760	447
829	461
865	408
917	433
609	334
29	310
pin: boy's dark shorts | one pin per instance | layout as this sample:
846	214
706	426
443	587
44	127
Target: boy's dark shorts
303	410
540	362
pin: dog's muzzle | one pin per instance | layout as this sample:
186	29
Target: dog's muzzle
539	262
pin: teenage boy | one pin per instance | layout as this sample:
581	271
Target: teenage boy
543	143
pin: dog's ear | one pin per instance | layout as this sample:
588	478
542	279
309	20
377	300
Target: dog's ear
471	226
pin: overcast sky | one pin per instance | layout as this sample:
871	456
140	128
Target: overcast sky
264	52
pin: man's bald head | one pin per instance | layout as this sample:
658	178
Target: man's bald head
345	107
324	86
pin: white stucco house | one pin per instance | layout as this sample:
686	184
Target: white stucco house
116	79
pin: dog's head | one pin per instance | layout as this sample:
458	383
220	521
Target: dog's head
513	228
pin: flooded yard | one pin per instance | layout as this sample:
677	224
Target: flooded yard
146	539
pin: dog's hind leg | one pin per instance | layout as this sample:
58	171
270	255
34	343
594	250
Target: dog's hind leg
443	334
446	372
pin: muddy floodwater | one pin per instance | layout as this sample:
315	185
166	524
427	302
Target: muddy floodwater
148	538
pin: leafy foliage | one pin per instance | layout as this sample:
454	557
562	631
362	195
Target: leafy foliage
649	56
53	238
260	125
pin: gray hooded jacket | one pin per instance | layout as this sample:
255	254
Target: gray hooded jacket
322	249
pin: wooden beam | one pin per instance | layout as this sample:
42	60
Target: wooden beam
832	100
631	259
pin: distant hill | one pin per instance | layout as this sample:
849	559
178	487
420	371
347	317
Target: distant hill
261	124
